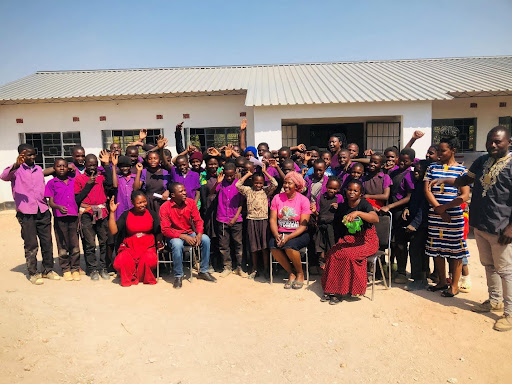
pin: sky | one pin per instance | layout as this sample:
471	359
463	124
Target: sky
66	35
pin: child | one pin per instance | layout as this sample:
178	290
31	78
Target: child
391	154
229	219
377	184
123	183
133	153
153	180
316	184
353	148
324	209
181	174
257	216
343	171
91	197
400	194
196	160
416	215
61	196
27	184
209	208
355	172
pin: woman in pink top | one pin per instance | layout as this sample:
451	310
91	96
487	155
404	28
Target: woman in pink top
289	217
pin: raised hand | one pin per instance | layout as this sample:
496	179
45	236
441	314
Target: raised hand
115	159
191	149
418	135
20	159
307	156
92	178
228	152
139	167
143	133
301	147
104	156
161	143
213	151
272	162
304	171
368	152
113	204
220	177
243	125
179	126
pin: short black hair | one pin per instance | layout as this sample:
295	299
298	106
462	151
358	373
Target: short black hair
499	128
409	152
24	146
239	161
335	179
130	148
358	182
138	192
230	166
380	156
341	137
319	161
59	159
181	157
77	148
325	153
288	161
391	149
172	187
91	156
358	165
264	144
258	174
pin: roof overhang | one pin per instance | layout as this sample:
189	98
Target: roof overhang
489	93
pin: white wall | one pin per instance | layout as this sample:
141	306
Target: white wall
487	113
414	115
208	111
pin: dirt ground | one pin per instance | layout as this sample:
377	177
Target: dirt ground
238	331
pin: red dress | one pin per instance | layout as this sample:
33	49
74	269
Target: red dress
345	265
136	257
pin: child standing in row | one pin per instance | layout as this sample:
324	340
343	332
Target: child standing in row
61	198
257	216
377	184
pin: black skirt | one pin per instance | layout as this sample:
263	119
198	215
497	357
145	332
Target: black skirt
297	243
258	234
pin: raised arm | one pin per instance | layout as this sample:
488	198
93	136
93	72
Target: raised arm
415	136
243	133
179	138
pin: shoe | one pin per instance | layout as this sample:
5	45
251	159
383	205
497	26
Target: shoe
252	276
448	293
503	324
67	276
36	279
401	279
488	306
178	282
334	299
266	275
82	272
465	284
226	272
76	276
325	297
104	274
211	269
297	284
416	285
206	276
288	284
435	288
52	275
240	272
434	278
95	275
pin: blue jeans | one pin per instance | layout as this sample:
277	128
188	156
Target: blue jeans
176	246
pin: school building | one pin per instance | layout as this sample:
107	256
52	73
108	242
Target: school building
375	103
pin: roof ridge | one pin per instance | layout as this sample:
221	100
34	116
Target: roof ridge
242	66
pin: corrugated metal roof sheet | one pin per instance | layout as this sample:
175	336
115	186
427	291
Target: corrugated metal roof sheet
283	84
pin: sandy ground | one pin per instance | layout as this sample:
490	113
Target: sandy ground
238	331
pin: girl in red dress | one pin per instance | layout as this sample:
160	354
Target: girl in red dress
345	265
137	230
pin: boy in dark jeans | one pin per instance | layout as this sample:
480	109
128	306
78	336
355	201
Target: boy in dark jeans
417	229
91	197
27	183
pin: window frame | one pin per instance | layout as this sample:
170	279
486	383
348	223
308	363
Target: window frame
451	122
46	161
190	132
107	137
395	138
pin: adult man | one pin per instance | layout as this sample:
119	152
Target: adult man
176	218
491	216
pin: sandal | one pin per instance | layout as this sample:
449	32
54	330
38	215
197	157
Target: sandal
325	297
435	288
334	300
447	293
297	284
288	284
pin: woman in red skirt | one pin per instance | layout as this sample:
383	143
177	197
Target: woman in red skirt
137	230
345	266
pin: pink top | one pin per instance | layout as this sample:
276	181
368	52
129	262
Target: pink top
289	211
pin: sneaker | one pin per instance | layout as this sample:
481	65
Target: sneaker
52	275
104	274
67	276
76	275
240	272
226	272
401	279
36	279
487	306
503	324
95	275
465	284
82	272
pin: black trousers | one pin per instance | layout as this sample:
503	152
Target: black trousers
89	233
399	241
230	236
66	235
419	260
33	227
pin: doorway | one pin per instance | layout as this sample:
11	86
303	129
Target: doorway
318	134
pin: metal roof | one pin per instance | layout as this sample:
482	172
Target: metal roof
280	84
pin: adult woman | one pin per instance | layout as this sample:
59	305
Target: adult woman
345	263
289	216
153	181
137	232
445	218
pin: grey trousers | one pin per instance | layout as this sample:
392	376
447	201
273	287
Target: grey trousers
497	260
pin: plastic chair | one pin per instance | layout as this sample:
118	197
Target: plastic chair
304	259
192	252
383	228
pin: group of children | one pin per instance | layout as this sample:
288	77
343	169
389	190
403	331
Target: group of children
232	191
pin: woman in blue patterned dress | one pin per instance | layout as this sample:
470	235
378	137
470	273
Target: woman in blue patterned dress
445	219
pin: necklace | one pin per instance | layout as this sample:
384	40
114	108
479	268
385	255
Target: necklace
492	168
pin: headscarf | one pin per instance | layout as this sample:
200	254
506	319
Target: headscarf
297	179
196	155
251	149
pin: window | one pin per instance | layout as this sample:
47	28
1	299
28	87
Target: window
380	136
127	136
204	138
467	132
289	133
50	145
506	121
